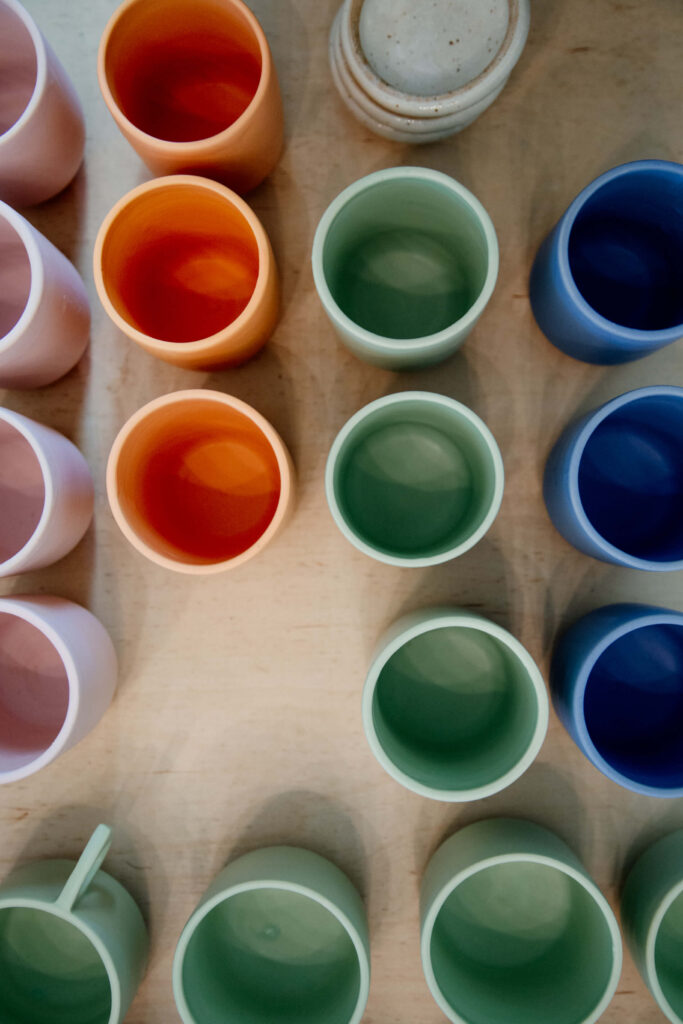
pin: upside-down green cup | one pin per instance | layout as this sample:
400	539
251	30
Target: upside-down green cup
652	919
280	936
414	479
454	707
514	931
73	944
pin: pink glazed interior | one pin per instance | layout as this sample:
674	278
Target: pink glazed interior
15	275
19	68
22	491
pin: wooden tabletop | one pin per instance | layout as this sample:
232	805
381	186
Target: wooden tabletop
237	721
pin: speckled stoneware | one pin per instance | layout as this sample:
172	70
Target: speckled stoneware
420	71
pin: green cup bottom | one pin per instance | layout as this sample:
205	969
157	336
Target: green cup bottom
521	943
669	955
270	955
50	973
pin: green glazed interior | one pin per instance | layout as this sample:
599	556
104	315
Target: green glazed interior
522	943
405	258
271	955
669	955
50	972
414	479
454	708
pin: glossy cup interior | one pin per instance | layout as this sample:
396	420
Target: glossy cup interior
50	971
521	941
183	70
197	481
22	491
668	955
633	705
179	262
15	272
630	478
268	954
626	248
19	64
405	258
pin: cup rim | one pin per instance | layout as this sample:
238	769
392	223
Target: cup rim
427	342
225	894
27	235
197	147
654	925
524	858
272	437
637	620
41	69
610	551
428	397
632	337
157	346
442	618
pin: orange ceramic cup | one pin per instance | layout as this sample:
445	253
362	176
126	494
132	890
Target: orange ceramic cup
192	86
184	267
199	481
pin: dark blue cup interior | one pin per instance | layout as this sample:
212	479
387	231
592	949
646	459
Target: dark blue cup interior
633	705
631	478
626	249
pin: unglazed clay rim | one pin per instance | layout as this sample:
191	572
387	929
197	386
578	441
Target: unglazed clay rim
272	437
41	68
395	101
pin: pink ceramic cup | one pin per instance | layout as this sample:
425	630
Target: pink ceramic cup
58	674
46	494
44	309
42	133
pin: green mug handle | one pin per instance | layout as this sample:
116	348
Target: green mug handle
87	867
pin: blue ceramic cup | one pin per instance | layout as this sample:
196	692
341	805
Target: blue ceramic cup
606	283
616	679
613	482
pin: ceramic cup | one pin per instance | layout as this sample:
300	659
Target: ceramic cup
414	479
46	494
185	269
605	285
44	309
404	261
614	480
42	134
421	73
73	944
192	86
199	482
454	707
652	919
280	935
514	930
58	675
617	684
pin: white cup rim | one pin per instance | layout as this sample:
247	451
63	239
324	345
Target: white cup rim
41	69
24	426
28	237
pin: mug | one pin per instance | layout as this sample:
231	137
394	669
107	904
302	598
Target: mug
652	919
58	674
605	285
73	944
414	479
405	261
192	86
199	482
454	708
280	935
42	133
46	494
185	269
614	479
45	313
616	678
514	930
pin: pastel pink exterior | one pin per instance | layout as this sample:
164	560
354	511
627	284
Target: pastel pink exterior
53	332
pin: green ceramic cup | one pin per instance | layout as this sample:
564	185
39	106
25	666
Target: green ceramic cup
514	930
454	707
280	936
652	919
73	944
414	479
405	261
